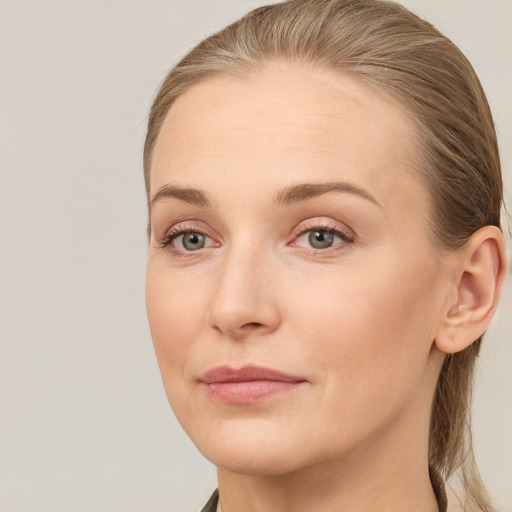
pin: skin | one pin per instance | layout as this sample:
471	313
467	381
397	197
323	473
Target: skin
357	321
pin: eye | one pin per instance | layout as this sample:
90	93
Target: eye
322	238
183	240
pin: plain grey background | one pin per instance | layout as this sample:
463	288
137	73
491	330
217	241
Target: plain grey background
84	422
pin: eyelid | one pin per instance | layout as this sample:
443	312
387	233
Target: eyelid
345	236
182	228
324	224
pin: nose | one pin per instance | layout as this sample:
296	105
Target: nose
245	299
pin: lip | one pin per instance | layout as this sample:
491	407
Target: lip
248	384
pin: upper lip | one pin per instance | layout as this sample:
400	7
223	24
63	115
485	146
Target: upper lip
246	374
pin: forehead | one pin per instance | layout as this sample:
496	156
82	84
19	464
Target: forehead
290	119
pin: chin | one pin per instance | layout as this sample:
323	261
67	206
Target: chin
253	450
257	462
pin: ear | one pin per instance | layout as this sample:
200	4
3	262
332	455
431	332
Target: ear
478	279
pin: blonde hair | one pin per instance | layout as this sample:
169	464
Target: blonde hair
406	58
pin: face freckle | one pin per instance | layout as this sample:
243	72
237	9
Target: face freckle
351	318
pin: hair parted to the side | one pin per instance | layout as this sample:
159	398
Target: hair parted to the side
408	60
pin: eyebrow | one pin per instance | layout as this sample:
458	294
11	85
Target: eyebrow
189	195
287	196
297	193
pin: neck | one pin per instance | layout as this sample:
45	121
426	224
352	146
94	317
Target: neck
372	493
384	475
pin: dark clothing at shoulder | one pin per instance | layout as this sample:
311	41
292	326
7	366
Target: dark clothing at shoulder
211	506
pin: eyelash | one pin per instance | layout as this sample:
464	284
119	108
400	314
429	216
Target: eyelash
170	236
345	236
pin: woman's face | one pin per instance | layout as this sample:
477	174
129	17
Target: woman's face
293	293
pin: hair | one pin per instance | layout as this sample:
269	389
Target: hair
405	58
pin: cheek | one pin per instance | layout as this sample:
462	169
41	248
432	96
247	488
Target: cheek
368	331
368	340
383	301
176	315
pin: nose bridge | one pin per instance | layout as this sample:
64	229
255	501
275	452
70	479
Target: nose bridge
244	301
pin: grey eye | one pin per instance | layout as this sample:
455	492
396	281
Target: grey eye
193	241
321	239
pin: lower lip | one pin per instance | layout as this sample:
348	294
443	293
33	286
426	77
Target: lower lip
248	391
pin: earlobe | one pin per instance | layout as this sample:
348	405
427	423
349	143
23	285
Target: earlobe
481	268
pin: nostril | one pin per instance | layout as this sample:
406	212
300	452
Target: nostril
251	326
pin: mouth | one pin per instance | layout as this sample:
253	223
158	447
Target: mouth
248	384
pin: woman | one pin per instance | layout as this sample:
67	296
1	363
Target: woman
324	192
